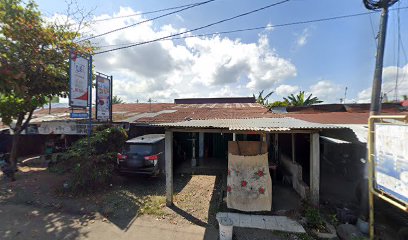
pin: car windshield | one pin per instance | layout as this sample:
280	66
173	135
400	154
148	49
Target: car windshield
140	149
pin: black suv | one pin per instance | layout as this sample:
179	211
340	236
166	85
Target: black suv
142	155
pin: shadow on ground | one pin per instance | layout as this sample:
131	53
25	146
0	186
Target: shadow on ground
26	222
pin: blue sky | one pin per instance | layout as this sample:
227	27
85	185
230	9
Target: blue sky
321	58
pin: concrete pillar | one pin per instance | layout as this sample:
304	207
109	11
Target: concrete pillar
293	148
169	167
276	147
314	168
193	155
201	145
234	137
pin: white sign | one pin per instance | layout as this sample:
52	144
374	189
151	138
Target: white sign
79	75
69	128
391	160
103	98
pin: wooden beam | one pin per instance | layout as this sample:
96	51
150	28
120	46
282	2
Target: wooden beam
169	167
314	168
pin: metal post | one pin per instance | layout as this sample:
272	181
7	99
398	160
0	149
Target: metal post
110	100
90	101
376	89
371	176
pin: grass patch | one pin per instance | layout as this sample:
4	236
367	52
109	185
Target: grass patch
153	205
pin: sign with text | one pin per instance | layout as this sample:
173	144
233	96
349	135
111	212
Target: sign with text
79	81
71	128
79	115
391	160
103	98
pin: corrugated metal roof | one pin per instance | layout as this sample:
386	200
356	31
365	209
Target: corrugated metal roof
251	124
360	130
334	140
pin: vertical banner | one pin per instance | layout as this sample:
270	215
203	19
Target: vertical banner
79	77
391	160
103	98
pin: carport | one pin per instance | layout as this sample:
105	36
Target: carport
269	130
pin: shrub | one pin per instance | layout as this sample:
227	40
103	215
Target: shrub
313	218
91	162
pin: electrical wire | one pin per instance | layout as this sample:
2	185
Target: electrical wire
255	28
144	21
398	52
146	13
198	28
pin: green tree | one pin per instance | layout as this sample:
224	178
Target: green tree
405	97
33	63
278	104
117	100
300	100
263	100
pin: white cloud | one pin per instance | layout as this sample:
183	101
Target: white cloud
388	85
192	67
285	90
327	91
303	37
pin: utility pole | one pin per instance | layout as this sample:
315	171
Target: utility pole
367	197
377	81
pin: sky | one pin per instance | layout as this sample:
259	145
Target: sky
323	58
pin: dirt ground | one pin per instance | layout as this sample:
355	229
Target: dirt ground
195	201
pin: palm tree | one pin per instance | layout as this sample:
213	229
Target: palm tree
117	100
299	100
263	99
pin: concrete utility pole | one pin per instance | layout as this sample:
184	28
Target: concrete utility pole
367	198
377	81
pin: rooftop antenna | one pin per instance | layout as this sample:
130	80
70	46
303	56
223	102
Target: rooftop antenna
150	100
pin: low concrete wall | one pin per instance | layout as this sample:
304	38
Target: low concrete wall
296	171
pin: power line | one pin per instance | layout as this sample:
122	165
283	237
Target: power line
198	28
144	21
246	29
145	13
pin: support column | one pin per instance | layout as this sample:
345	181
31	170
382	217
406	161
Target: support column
234	137
169	167
200	144
276	147
193	155
293	148
314	168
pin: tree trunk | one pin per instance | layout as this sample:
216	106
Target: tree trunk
14	154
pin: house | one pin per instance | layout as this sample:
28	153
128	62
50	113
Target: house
313	146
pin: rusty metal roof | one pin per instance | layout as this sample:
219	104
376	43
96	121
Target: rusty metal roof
249	124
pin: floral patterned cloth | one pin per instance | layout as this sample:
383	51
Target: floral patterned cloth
249	185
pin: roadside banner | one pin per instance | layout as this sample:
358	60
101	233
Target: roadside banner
79	81
391	160
103	98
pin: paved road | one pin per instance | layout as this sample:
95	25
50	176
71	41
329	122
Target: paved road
27	222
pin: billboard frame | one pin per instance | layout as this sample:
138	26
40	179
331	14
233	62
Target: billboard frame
110	78
88	58
372	191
